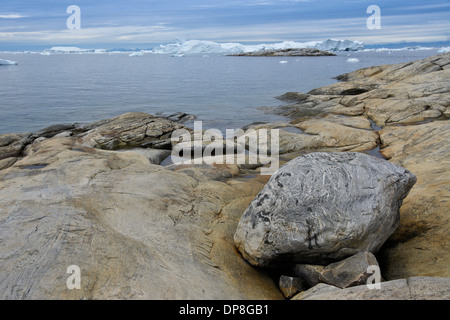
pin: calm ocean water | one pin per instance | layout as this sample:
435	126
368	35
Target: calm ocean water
224	92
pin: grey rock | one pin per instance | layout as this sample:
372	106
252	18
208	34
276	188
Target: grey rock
323	207
129	130
6	163
12	144
415	288
290	286
309	273
349	272
317	290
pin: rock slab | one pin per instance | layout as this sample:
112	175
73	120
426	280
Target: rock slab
323	207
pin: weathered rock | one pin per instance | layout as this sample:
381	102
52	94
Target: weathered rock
130	130
291	286
414	288
136	230
328	133
6	163
349	272
420	246
323	207
309	273
155	156
12	144
401	93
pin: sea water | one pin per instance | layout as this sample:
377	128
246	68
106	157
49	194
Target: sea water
224	92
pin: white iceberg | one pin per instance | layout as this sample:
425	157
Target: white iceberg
283	62
7	62
210	47
136	54
352	60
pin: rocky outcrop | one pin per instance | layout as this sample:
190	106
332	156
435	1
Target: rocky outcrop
323	207
130	130
136	230
414	288
420	244
390	94
408	106
327	133
302	52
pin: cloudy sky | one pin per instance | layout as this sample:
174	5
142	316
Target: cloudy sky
123	23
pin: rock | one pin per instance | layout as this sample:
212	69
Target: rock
323	207
136	230
317	290
349	272
309	273
54	130
130	130
202	172
12	144
419	247
414	288
402	93
327	133
6	163
155	156
303	52
291	286
180	117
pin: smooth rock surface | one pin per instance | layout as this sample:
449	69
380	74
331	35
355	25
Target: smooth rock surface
421	244
323	207
136	230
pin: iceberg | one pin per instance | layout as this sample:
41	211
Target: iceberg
210	47
136	54
352	60
7	62
60	50
339	45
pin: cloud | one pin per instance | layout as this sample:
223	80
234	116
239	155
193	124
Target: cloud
11	16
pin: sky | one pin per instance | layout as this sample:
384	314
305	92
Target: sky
109	23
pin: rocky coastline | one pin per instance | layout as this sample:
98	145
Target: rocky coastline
358	210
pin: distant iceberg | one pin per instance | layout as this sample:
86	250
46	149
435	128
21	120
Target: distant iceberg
210	47
59	50
136	54
7	62
352	60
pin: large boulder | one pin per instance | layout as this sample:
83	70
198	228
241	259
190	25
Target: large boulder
323	207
